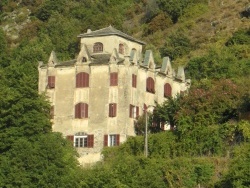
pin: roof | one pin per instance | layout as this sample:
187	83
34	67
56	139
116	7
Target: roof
108	31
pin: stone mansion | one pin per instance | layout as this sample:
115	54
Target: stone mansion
97	97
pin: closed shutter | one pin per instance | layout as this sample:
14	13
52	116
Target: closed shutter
90	141
167	90
117	140
105	143
113	79
51	81
148	85
112	109
77	111
134	79
82	80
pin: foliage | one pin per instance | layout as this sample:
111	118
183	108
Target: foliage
239	37
176	45
238	174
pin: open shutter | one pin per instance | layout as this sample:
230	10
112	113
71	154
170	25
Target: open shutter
90	141
110	110
117	140
105	140
153	85
70	138
77	111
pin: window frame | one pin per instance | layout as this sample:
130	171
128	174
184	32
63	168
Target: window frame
133	111
111	140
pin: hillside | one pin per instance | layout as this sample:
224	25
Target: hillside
209	146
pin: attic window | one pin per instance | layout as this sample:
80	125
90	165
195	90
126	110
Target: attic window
121	48
84	59
98	47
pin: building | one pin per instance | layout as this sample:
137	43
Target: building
97	97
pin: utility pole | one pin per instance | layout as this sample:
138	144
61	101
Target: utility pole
146	134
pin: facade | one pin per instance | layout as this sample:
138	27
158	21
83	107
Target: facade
97	97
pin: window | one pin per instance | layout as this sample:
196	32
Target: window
150	86
134	80
112	140
98	47
82	141
51	82
133	111
81	110
82	80
121	48
167	90
112	109
113	79
84	59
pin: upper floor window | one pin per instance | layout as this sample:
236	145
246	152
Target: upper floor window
150	85
133	111
167	90
121	48
81	110
112	109
82	80
134	80
82	140
84	59
98	47
112	140
51	82
113	79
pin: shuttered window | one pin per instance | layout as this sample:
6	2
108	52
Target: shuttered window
134	80
81	110
113	79
51	82
112	109
81	141
90	142
167	90
82	80
111	140
150	85
98	47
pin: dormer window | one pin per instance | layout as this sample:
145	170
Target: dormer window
98	47
121	48
84	59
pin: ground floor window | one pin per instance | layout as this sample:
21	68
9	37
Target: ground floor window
80	140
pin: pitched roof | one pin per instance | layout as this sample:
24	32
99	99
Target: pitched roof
107	31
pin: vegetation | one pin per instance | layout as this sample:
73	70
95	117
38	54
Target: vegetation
210	144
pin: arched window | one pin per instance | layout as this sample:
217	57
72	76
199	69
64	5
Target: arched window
167	90
150	86
81	110
82	80
121	48
84	59
98	47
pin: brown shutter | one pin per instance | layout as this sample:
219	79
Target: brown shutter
147	85
135	81
77	80
153	86
113	79
105	143
137	111
70	138
117	140
51	81
87	80
90	141
110	109
86	111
